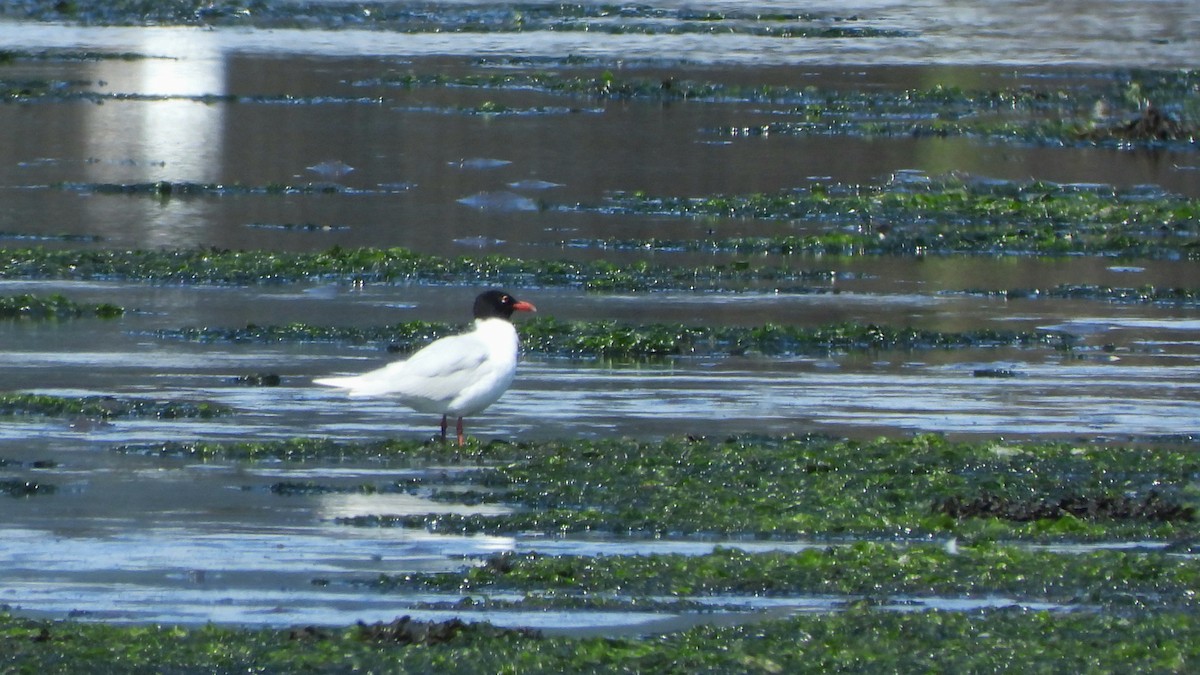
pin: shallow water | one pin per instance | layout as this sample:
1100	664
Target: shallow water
1157	34
130	538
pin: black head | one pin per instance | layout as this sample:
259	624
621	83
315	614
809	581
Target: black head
497	304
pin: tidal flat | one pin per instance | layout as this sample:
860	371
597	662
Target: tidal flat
805	537
866	336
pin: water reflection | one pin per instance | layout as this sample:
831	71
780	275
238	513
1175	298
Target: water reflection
172	140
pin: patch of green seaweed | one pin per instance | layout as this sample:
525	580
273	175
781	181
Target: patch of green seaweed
897	217
862	639
786	488
58	91
399	265
558	601
1023	113
870	569
377	265
611	339
56	306
305	449
310	488
106	407
1156	104
13	55
1148	128
494	109
805	487
485	17
1147	294
1131	88
166	189
938	111
220	265
943	215
844	490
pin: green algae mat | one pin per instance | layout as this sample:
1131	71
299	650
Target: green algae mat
860	640
926	554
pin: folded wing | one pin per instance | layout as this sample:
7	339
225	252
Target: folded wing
435	374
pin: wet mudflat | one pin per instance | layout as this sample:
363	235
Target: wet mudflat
784	230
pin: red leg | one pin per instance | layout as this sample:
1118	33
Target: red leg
460	433
443	428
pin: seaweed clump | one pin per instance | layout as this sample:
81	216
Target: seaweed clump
1152	125
920	215
1151	506
405	630
611	339
859	639
812	487
106	407
56	306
